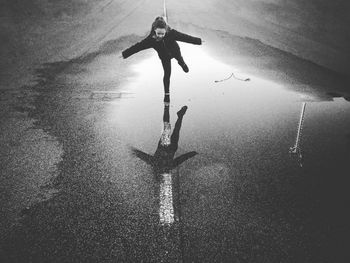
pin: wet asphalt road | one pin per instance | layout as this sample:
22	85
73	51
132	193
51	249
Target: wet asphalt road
242	198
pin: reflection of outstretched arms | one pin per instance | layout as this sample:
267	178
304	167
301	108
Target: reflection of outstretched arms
182	158
143	156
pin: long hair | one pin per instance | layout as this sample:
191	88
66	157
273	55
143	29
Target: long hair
159	22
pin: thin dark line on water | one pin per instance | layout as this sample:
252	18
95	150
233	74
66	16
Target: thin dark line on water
232	75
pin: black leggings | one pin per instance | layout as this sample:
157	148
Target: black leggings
167	71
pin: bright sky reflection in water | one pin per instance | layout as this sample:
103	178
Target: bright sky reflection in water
235	105
242	115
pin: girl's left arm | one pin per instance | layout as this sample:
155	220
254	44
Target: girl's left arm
186	38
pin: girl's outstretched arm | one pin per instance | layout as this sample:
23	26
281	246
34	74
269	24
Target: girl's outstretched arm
143	156
187	38
179	160
144	44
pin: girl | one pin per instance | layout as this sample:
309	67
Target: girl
163	39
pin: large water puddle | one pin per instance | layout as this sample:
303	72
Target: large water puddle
231	113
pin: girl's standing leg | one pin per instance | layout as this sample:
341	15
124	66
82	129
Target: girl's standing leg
167	72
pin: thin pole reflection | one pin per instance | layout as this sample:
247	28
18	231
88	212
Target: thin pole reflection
296	149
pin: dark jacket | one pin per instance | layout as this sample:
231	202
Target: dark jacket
166	48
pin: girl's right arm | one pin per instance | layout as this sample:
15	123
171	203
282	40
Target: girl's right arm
144	44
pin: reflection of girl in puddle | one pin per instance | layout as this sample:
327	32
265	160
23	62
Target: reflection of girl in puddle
163	162
163	39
